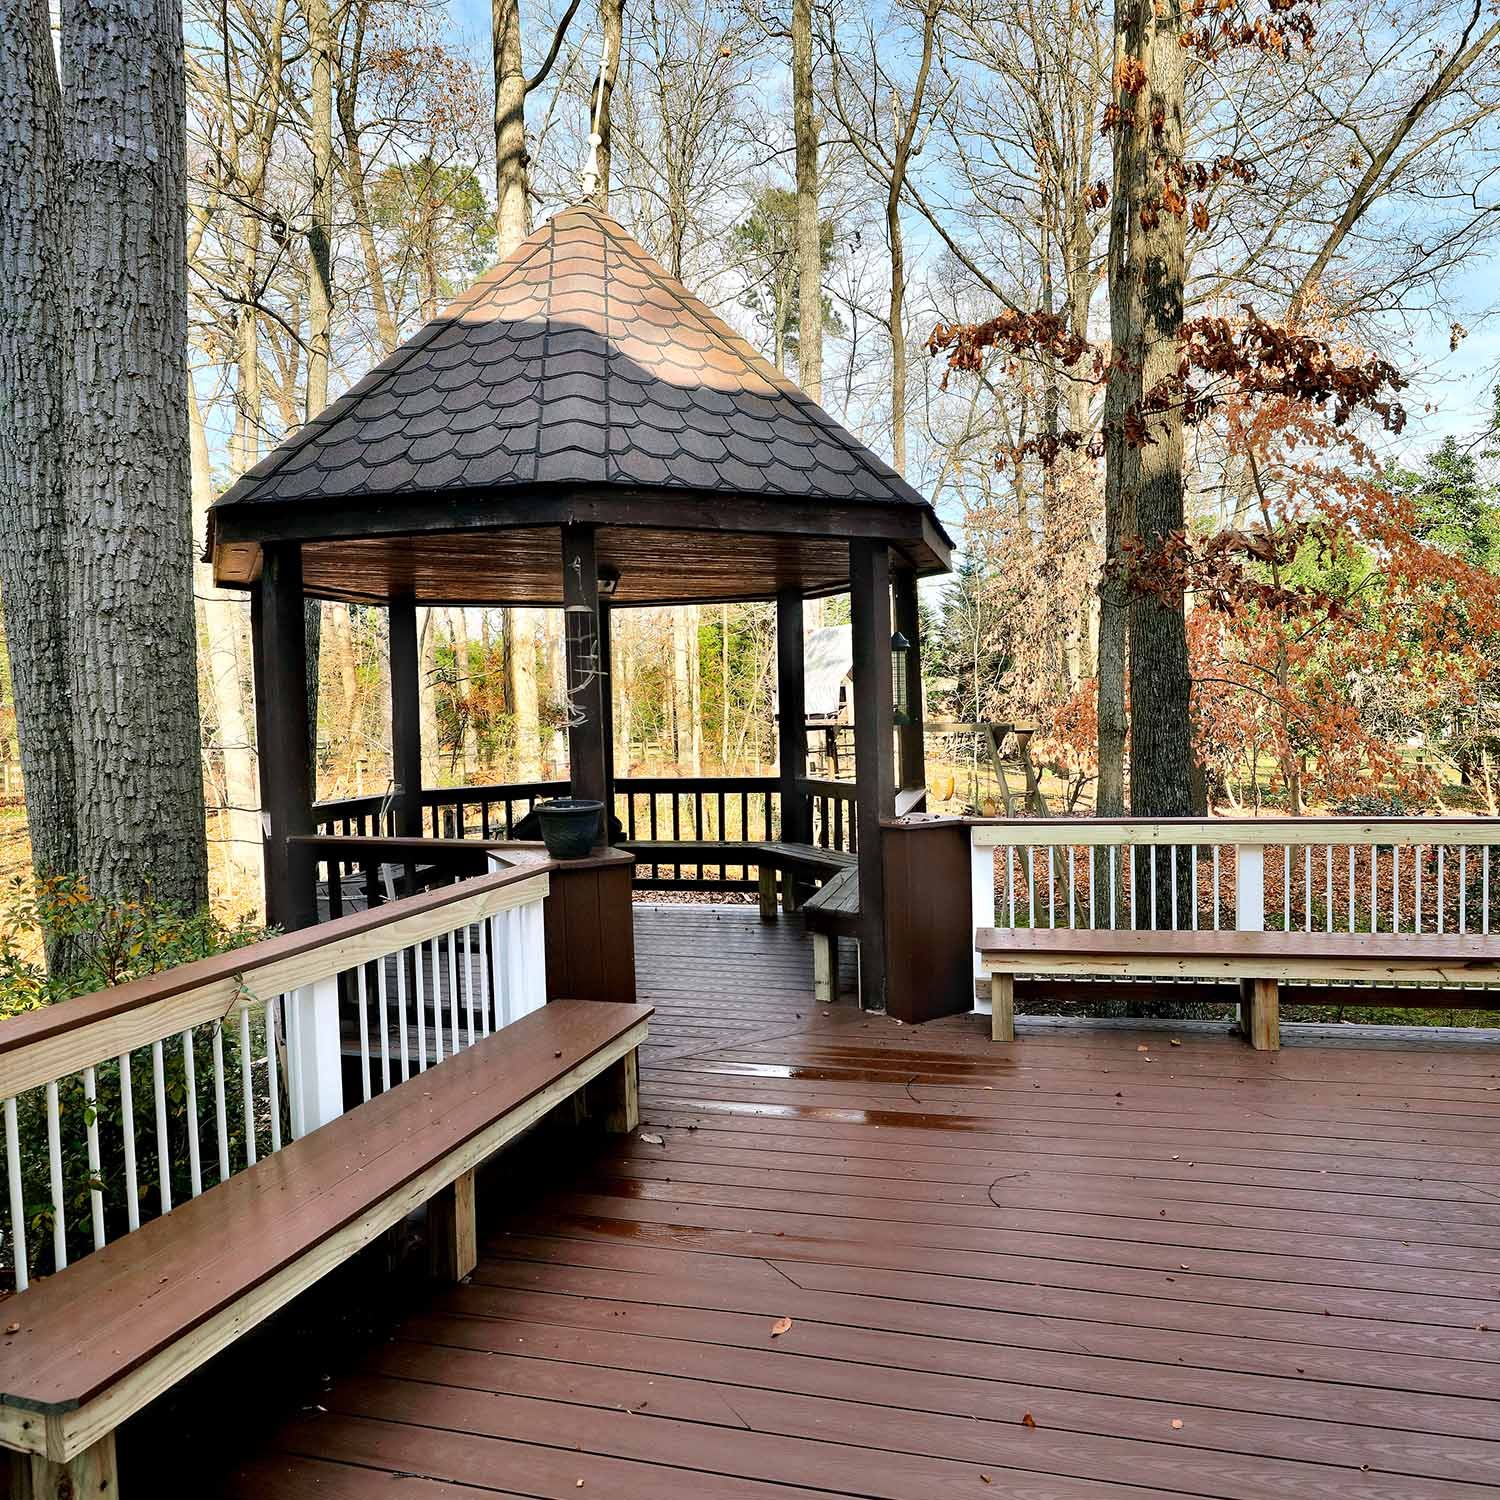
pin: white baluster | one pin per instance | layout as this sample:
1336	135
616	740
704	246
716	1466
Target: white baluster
91	1128
17	1196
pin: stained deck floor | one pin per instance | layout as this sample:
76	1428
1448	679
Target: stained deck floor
1197	1270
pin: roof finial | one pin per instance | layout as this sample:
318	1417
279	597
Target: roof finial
591	171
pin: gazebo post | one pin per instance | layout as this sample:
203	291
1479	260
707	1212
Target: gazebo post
406	717
587	767
874	759
909	736
280	645
791	720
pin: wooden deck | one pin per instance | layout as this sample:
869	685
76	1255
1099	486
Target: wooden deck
1091	1265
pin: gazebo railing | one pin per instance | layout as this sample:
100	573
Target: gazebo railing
687	810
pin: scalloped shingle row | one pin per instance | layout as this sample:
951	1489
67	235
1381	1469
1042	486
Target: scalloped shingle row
576	360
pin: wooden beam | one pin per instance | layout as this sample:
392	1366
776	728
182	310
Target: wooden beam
587	766
874	751
406	717
791	720
913	765
280	647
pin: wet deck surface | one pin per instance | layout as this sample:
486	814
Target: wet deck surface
1197	1270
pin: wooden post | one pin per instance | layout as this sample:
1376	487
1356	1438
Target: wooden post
874	751
406	718
1003	1007
280	646
825	967
1260	1014
92	1473
452	1232
587	766
909	735
791	720
617	1096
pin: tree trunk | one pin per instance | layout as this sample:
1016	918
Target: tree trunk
612	19
809	231
222	612
139	770
427	655
458	628
1148	280
33	515
523	693
320	218
512	210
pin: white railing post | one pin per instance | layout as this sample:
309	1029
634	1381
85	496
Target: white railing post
518	943
1250	888
981	894
318	1075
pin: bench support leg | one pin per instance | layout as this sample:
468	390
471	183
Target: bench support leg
1003	1007
91	1475
825	967
789	902
452	1237
618	1095
1260	1014
768	893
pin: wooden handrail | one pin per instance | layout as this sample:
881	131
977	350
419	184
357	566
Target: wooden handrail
1339	831
71	1035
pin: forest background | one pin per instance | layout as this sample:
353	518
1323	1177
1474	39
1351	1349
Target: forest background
922	211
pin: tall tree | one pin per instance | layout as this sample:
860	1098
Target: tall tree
1143	483
134	687
512	179
33	529
809	230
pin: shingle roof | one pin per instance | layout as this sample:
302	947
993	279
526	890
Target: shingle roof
577	360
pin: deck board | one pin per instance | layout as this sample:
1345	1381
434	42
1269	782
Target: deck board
1294	1257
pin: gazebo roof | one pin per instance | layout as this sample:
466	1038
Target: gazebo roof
576	381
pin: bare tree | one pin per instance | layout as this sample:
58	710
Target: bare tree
809	228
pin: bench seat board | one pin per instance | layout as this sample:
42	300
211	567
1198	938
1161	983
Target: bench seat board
835	907
1433	958
116	1328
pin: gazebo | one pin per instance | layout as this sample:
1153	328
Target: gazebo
579	430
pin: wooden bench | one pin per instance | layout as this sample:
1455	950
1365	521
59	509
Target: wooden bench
830	913
795	859
1256	962
93	1344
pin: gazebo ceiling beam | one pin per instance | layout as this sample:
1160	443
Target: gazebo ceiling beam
656	510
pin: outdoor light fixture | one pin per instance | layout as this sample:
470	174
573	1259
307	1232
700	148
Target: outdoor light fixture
899	647
609	579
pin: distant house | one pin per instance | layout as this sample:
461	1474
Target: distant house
828	662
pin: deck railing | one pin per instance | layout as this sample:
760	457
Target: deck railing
1393	875
725	810
120	1103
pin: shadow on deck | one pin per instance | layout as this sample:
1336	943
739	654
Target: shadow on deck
1197	1270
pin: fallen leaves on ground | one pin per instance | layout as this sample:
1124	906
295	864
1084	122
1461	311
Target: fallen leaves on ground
652	1140
1028	1420
780	1326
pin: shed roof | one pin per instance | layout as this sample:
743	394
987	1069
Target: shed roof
577	380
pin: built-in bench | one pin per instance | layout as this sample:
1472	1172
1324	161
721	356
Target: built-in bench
1255	963
90	1346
